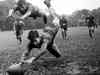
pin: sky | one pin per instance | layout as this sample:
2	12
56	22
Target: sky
1	0
68	6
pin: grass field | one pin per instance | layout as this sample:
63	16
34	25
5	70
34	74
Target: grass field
80	53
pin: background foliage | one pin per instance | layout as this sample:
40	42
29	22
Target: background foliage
76	19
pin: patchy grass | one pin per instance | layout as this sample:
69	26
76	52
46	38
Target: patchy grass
81	55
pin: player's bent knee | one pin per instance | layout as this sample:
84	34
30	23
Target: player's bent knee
54	52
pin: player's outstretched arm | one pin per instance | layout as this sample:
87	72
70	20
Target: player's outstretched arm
43	50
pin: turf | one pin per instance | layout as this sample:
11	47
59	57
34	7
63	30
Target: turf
80	54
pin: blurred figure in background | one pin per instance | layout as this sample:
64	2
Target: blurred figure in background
18	29
26	9
90	21
64	26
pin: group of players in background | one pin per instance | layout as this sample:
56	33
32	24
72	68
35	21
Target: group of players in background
44	39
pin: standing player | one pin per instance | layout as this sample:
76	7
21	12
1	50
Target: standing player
63	22
64	26
18	28
90	21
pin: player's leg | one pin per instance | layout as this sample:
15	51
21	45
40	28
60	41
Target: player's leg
65	33
20	39
53	49
20	36
44	18
93	34
90	32
62	33
17	36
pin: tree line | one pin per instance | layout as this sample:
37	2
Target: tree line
76	19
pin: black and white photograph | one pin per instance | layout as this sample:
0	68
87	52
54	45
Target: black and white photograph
49	37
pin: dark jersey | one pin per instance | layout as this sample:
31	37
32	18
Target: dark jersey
90	21
35	40
63	23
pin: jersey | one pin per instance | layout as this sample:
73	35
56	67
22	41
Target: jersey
63	23
90	21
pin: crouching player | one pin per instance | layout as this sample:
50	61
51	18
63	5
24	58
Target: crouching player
43	40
